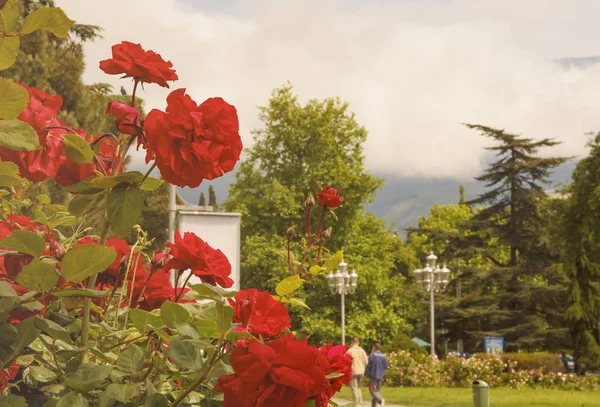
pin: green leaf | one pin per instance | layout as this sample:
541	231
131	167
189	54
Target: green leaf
310	403
12	401
9	16
14	99
88	377
132	177
81	204
9	175
288	285
298	301
314	270
151	184
9	49
157	400
220	369
143	319
86	261
131	360
27	333
332	263
38	276
184	353
51	19
17	135
53	330
224	317
80	292
84	187
78	149
172	313
6	290
73	399
24	241
123	392
212	292
42	374
124	207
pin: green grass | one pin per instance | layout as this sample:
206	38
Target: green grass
499	397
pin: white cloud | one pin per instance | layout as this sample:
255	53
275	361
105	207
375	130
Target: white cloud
412	71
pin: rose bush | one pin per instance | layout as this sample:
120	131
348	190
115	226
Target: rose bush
95	320
418	370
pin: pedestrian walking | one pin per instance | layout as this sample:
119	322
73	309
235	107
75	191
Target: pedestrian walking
376	367
359	365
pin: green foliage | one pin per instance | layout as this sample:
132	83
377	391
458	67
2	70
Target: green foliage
518	294
300	149
403	342
576	238
18	135
202	199
14	99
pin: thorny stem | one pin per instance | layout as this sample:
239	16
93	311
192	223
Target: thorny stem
135	85
182	287
319	231
147	174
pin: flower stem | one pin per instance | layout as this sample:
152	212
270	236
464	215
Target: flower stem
135	85
147	174
182	287
85	323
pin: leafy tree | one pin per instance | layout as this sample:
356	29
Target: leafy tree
300	149
520	295
202	200
577	237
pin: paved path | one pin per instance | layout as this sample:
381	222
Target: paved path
366	403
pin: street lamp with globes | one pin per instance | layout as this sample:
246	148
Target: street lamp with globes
342	283
433	278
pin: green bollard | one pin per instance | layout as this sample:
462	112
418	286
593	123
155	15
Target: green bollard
481	394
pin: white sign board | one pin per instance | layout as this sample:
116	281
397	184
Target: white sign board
220	230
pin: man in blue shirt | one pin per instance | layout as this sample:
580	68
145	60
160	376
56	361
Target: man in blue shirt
375	372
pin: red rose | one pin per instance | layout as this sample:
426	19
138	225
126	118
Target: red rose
259	313
125	116
8	375
41	112
191	143
339	362
134	62
329	198
283	373
123	260
191	252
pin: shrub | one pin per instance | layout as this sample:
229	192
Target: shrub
546	362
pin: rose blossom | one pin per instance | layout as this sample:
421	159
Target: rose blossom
134	62
191	252
259	313
125	116
191	142
41	112
286	372
329	198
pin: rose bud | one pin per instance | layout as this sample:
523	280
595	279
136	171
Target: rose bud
309	203
159	258
326	234
124	262
57	250
291	232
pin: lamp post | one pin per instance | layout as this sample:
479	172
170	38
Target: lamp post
342	283
433	278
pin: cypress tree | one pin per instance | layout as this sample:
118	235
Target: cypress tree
212	198
202	201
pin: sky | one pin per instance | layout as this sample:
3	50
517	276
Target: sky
412	71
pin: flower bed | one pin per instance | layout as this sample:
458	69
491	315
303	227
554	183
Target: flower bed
416	370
